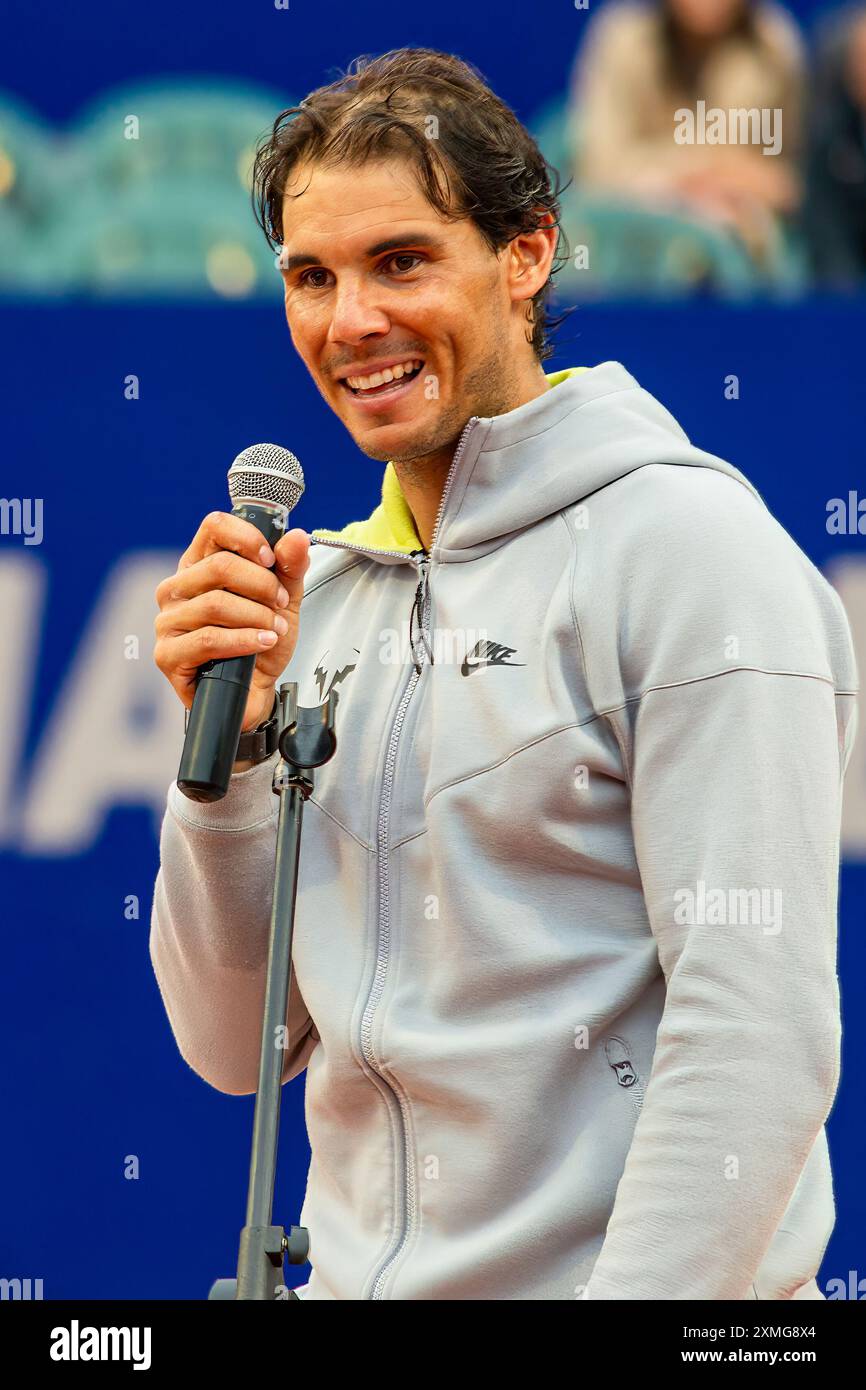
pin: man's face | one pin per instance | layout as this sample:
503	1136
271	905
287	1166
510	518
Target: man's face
435	294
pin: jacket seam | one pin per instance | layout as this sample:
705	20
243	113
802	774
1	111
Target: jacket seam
336	821
326	578
572	582
580	723
224	829
726	671
611	723
479	772
695	680
416	834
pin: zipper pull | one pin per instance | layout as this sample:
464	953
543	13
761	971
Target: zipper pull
418	606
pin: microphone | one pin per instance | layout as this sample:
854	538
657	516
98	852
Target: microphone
265	483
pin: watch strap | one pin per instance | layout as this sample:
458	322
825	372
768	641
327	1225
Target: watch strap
258	744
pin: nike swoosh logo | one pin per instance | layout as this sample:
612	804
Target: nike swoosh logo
488	654
474	663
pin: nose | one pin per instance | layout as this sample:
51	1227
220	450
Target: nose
355	311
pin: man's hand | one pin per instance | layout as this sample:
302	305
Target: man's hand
224	600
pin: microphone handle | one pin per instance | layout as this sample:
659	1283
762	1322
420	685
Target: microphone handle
222	690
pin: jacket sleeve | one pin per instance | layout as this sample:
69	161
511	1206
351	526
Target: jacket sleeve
210	927
734	740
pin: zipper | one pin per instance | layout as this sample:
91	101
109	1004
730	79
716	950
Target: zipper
402	554
458	454
364	549
638	1096
421	605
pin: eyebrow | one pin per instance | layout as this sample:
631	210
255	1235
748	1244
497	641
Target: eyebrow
392	243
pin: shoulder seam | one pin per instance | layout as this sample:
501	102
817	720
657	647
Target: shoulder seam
727	670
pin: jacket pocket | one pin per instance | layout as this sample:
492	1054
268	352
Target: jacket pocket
619	1059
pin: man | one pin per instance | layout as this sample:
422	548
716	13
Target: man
565	983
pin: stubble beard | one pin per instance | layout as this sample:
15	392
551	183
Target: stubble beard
486	393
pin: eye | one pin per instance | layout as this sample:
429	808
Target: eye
403	256
316	270
304	277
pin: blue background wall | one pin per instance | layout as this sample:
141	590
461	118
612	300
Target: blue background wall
59	58
91	1071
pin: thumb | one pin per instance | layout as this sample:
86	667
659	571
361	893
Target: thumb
292	554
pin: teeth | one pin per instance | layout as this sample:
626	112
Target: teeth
367	383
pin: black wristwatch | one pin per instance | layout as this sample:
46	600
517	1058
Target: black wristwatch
257	744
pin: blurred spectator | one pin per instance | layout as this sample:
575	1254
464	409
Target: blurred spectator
834	215
643	65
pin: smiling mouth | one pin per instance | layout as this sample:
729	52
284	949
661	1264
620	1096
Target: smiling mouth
387	388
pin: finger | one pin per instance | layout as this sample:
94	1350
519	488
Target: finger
223	531
180	657
224	570
218	608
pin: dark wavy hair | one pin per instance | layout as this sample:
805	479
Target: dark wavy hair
473	157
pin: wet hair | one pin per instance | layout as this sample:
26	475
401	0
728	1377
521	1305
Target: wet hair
472	156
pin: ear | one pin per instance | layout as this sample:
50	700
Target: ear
530	258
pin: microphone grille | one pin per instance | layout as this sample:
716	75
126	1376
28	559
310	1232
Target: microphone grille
266	473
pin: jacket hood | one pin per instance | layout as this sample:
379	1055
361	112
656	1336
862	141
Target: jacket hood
592	426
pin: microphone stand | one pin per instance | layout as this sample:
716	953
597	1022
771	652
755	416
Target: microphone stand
306	741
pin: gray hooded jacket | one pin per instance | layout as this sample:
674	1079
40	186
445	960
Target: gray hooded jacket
565	977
